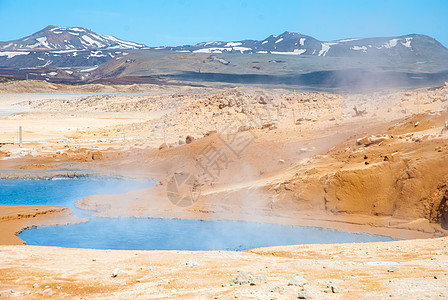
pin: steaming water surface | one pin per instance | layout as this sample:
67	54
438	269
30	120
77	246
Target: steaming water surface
150	234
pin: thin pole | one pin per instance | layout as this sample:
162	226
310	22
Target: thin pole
20	136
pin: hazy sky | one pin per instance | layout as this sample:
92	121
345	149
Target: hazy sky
178	22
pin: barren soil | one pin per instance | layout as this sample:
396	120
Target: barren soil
372	163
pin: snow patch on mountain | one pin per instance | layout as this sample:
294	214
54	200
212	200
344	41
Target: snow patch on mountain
279	40
325	48
43	41
91	42
407	43
232	44
123	44
242	49
89	69
357	48
11	54
295	52
390	44
347	40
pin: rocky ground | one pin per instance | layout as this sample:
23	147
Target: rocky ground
411	269
356	162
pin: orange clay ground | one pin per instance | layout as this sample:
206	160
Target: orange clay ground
373	163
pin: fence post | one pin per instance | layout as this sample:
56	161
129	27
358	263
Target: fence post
20	136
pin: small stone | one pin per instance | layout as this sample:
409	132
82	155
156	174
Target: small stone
143	278
297	281
35	286
435	277
277	289
304	295
392	269
163	146
334	289
116	272
189	139
258	280
47	292
433	258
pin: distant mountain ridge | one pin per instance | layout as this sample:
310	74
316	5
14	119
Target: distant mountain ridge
76	54
67	38
290	43
54	38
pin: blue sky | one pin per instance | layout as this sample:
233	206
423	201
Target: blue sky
178	22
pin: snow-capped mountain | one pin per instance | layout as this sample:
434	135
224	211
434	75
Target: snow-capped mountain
77	54
291	43
63	47
67	38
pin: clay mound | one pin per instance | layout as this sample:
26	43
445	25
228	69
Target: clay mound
420	122
402	178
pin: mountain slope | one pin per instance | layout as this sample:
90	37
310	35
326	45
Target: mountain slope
414	45
77	54
67	38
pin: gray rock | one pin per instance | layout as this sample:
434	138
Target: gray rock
304	295
334	289
297	281
392	269
47	292
116	272
243	278
258	280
